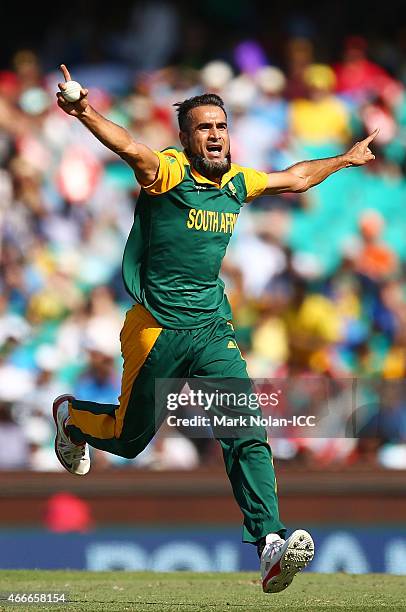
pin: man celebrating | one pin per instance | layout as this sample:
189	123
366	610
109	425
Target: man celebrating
180	323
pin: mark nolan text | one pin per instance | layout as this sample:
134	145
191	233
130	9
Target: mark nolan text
241	421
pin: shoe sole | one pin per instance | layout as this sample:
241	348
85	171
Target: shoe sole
57	402
296	557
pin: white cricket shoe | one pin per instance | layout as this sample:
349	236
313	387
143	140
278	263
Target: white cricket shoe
282	559
74	457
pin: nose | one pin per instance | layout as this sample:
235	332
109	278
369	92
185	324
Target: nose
214	133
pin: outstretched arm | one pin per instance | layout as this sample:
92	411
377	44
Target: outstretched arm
304	175
141	158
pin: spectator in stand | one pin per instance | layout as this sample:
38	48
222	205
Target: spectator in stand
271	108
313	325
13	444
215	76
322	117
99	382
300	55
145	123
358	78
375	259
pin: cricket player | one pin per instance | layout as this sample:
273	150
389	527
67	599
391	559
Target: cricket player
180	324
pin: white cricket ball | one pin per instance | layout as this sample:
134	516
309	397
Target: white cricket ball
72	91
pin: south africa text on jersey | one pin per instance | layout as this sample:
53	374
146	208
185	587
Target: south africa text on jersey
211	221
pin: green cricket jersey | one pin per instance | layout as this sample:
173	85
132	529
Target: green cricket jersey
183	223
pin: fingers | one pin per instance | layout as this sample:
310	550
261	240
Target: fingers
65	72
61	103
83	92
62	86
371	136
61	100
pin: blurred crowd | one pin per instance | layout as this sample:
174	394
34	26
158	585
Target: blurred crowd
317	280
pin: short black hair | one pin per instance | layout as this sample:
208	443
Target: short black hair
183	108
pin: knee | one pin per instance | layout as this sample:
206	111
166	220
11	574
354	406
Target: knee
129	454
129	450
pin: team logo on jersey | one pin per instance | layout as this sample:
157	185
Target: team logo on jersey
232	188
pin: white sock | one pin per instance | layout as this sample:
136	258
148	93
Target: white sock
273	537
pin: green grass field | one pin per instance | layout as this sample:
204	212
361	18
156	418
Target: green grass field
181	592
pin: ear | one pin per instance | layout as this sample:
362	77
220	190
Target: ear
183	137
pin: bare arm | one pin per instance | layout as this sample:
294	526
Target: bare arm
141	158
304	175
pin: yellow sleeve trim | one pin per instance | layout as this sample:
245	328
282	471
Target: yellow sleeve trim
170	172
255	182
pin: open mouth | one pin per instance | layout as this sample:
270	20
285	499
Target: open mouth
214	150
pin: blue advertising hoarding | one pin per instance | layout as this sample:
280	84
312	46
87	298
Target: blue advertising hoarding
352	550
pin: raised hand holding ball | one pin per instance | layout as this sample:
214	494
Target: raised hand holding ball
72	98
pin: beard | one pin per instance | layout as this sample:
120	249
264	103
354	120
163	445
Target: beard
209	168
